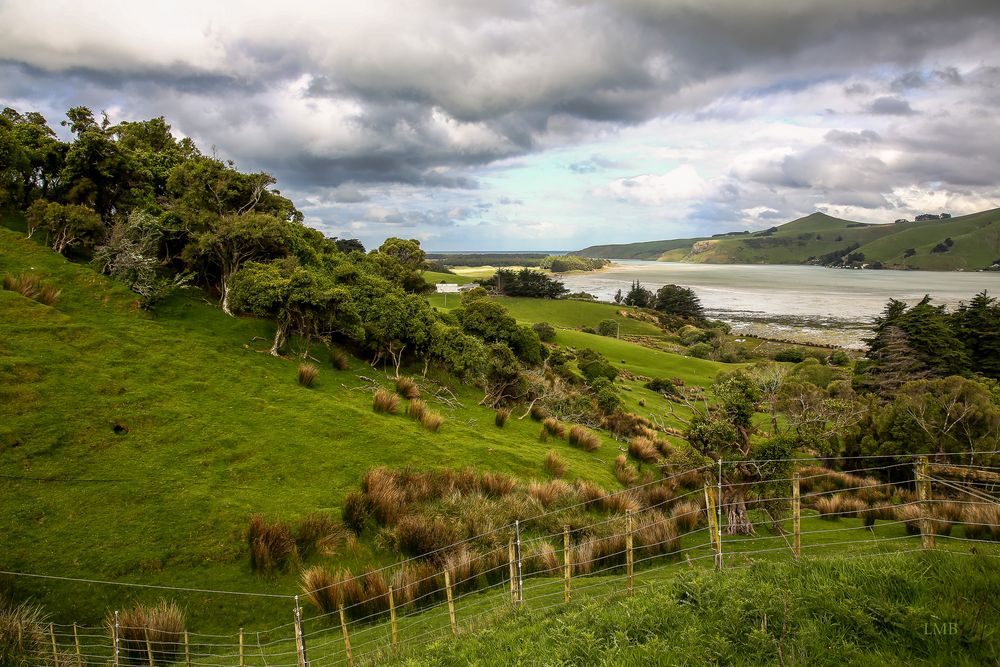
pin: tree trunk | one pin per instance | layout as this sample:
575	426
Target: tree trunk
279	339
225	299
737	520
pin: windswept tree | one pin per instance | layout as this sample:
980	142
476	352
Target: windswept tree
679	301
639	296
66	226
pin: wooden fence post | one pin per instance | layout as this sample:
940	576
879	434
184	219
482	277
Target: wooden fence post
392	619
187	650
796	517
520	570
713	533
76	642
300	639
242	657
55	648
629	557
566	563
513	575
149	649
451	604
924	495
347	639
114	637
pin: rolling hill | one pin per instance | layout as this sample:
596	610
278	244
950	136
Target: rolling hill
970	242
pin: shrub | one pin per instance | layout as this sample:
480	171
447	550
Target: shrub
553	427
501	417
554	465
643	449
416	409
839	358
700	351
663	386
272	545
355	512
22	635
339	359
431	421
385	402
161	625
318	532
584	439
546	332
307	374
791	354
607	328
407	388
624	471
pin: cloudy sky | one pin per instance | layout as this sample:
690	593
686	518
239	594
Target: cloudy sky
547	125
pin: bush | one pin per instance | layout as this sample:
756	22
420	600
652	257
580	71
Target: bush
355	512
501	417
554	465
272	545
700	351
663	386
22	635
584	439
339	359
608	328
791	354
407	388
385	402
307	374
161	625
839	358
546	332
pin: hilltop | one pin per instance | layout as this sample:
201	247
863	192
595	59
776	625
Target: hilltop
970	242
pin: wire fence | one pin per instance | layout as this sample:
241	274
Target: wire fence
827	514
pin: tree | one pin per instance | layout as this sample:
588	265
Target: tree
462	355
679	301
66	226
525	282
618	296
234	240
408	253
639	296
978	324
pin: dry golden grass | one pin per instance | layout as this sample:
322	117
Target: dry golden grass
25	284
643	449
159	627
982	521
501	417
49	295
22	634
416	409
319	532
554	464
376	594
307	374
272	545
584	439
497	484
541	557
547	493
407	388
582	557
385	402
590	493
538	413
431	421
552	427
625	472
688	515
355	512
838	506
655	534
419	535
339	359
622	502
385	495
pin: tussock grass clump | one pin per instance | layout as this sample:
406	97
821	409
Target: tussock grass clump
376	594
552	427
547	493
949	510
839	506
419	535
49	295
327	590
688	515
538	413
554	465
416	409
26	284
582	557
161	625
625	472
982	521
643	449
308	374
339	359
655	534
431	421
657	495
272	545
541	557
417	584
385	497
385	402
22	633
407	388
590	493
622	502
355	512
584	439
910	515
319	532
501	417
497	484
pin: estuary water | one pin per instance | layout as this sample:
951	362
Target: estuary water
800	303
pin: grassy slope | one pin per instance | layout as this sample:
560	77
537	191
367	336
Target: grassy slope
216	430
977	243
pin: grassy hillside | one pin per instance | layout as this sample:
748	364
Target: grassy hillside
134	447
975	244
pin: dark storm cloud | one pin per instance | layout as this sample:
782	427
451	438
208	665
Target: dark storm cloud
852	138
889	106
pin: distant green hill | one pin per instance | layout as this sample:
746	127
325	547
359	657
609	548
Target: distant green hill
968	242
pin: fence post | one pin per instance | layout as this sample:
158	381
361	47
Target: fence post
300	638
187	650
712	533
451	604
114	637
566	563
242	657
517	552
149	648
796	517
629	558
392	618
76	642
718	519
347	639
513	574
924	495
55	649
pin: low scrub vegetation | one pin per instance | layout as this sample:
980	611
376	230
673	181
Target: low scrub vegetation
584	438
272	545
501	417
30	286
308	374
554	464
407	388
385	402
22	634
143	628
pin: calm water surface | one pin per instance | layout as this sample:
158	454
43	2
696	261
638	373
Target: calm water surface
805	303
